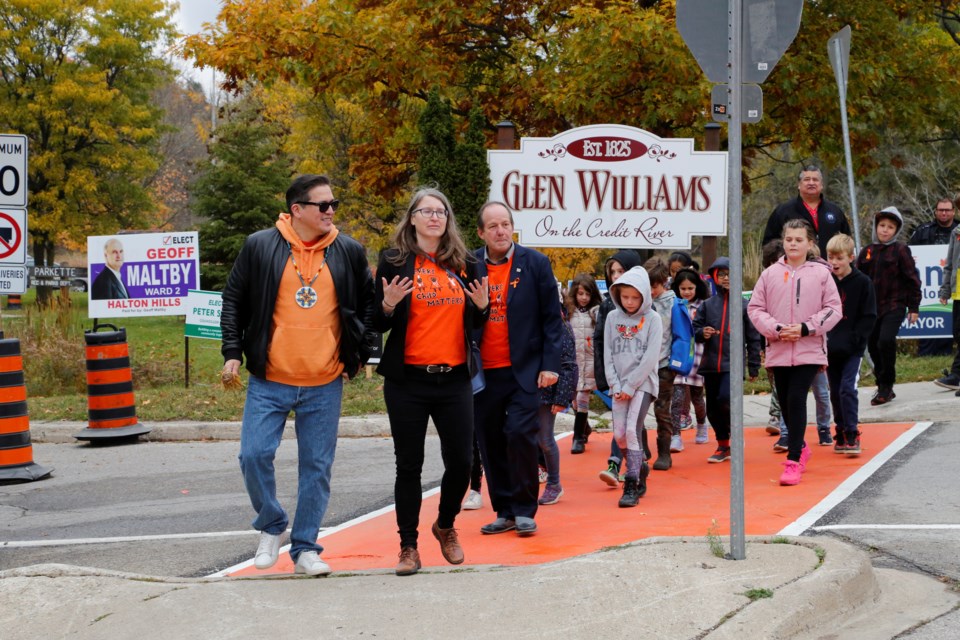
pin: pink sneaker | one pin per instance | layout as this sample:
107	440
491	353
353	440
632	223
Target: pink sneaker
805	455
791	473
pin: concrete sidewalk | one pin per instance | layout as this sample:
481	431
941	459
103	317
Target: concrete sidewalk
655	588
666	588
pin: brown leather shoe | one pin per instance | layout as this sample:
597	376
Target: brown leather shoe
409	562
449	544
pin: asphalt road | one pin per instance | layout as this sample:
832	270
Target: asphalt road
154	489
907	514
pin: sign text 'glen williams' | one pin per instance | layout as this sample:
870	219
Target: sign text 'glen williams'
611	186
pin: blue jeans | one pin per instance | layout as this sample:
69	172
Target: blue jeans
548	442
821	394
317	417
844	374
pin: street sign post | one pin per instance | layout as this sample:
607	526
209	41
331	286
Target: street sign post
838	48
758	34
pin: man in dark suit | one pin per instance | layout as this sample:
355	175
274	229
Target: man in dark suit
108	285
520	347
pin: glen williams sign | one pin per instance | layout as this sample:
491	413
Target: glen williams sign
611	186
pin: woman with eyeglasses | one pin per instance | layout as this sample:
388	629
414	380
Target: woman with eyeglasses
429	299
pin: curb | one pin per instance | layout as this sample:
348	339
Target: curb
375	425
843	581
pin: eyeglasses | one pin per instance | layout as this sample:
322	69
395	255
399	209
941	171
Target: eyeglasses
945	210
323	206
432	213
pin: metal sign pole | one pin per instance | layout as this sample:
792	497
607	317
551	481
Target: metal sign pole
839	49
735	234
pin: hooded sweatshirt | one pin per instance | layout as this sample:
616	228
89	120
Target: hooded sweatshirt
628	259
631	350
294	326
891	267
663	305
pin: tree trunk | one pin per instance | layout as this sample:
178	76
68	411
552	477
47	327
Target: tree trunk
43	251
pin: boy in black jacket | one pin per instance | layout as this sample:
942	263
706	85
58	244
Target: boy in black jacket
847	341
889	264
712	327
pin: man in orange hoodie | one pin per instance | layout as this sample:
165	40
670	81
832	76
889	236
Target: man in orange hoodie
299	305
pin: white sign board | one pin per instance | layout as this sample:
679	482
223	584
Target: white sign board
13	170
611	186
203	314
142	274
13	251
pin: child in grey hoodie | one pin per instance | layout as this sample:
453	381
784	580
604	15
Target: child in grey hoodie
633	333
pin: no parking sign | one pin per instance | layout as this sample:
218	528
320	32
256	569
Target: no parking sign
13	251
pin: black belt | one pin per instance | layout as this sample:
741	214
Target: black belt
436	368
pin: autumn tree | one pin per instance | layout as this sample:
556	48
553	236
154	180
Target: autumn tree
458	168
76	78
181	148
241	186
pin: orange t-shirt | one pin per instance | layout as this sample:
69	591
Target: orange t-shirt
495	346
435	322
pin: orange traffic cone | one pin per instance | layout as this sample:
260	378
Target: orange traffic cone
110	404
16	451
13	301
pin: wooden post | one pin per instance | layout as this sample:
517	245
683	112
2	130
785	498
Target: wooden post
506	135
711	142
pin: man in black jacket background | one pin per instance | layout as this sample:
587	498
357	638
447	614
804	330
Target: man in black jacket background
299	306
824	216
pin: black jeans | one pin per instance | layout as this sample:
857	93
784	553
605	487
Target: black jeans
448	399
716	386
883	347
793	385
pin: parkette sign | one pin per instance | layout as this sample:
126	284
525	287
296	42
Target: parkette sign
611	186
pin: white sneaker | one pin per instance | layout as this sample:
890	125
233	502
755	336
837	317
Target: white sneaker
474	501
676	444
268	551
309	563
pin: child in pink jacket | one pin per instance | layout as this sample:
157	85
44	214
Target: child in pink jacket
794	304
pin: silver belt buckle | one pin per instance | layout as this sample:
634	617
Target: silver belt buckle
438	368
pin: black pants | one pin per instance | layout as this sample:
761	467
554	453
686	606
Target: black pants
507	432
476	469
793	385
716	387
448	399
883	347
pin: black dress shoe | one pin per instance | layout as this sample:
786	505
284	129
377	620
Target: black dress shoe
500	525
577	446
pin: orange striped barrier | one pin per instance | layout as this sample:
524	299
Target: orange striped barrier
13	301
111	408
16	450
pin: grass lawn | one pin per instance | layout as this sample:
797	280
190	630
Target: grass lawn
52	344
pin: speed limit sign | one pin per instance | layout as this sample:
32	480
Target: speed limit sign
13	170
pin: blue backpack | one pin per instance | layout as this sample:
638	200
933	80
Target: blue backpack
682	347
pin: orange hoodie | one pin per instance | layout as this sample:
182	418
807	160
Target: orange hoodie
304	347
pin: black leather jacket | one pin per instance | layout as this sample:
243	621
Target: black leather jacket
251	293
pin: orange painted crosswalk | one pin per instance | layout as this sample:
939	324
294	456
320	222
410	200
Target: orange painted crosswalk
687	500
